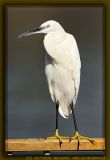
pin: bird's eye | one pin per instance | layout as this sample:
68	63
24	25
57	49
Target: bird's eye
48	26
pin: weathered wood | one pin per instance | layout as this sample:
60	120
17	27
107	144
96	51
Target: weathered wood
52	144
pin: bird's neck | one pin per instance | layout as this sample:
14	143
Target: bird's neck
56	37
52	41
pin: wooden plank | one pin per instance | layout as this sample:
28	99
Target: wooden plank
52	144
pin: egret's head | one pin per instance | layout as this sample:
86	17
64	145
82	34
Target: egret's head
51	26
46	27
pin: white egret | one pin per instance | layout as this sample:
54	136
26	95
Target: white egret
62	68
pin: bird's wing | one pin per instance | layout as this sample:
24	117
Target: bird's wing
76	86
69	57
72	62
76	66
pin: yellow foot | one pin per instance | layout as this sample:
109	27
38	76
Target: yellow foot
78	136
57	136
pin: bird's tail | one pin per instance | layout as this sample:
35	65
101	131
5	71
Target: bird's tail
65	112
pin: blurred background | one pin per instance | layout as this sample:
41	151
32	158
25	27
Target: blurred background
30	112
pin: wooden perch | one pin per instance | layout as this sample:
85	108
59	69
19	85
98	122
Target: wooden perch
52	144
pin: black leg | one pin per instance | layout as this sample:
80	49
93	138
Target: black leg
75	124
57	133
77	135
74	119
56	116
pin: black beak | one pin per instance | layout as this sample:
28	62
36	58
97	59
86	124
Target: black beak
33	31
38	29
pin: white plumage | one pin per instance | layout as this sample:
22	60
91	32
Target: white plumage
62	64
62	67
